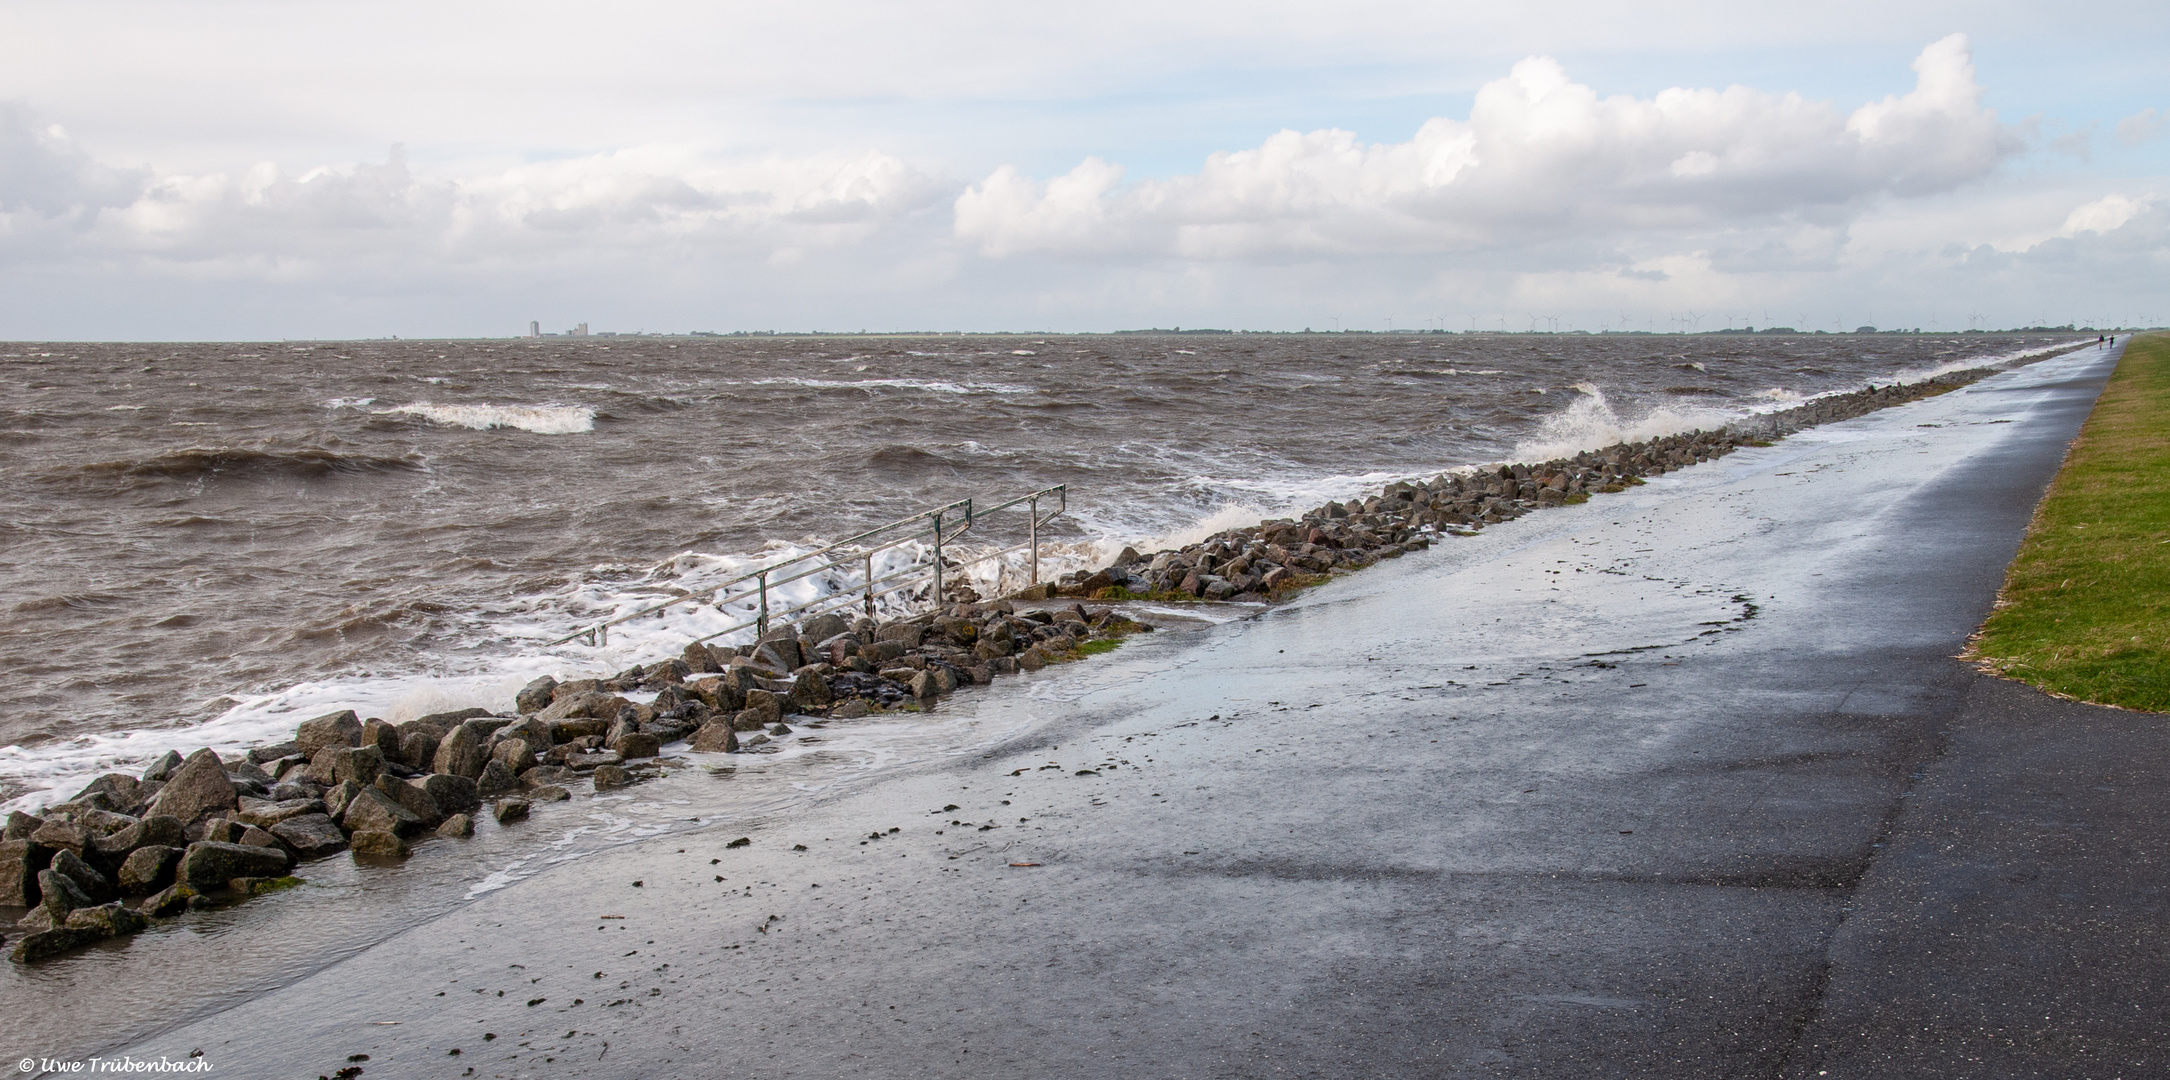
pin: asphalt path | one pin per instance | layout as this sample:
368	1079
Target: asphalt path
1683	782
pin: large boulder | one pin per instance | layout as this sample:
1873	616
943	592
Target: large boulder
722	695
586	761
770	706
374	810
810	691
208	865
486	726
415	798
20	862
20	826
198	789
334	729
697	658
337	798
461	753
779	651
515	754
716	737
310	835
266	755
589	704
86	877
169	901
451	794
361	764
31	948
383	735
535	696
264	814
533	731
908	634
58	894
121	788
823	627
163	768
375	842
161	831
496	778
63	835
636	744
148	869
106	920
579	727
418	744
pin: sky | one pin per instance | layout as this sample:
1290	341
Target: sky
295	169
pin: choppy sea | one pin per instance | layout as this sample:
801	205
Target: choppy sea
205	543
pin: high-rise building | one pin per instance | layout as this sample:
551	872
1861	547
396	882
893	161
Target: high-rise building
534	328
580	330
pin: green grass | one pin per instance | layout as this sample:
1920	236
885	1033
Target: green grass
2085	611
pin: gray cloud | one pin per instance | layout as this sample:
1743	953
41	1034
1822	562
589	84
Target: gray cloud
43	172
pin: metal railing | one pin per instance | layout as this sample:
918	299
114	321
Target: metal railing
938	528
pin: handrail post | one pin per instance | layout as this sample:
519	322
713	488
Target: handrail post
1032	515
870	585
937	558
761	627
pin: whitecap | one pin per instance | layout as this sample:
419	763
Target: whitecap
540	419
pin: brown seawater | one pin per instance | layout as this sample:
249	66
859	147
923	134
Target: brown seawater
206	541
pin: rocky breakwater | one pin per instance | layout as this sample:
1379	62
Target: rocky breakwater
190	833
1276	557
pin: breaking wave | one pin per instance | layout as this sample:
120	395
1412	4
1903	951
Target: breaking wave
1591	421
540	419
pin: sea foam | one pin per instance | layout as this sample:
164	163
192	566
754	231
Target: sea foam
1590	421
540	419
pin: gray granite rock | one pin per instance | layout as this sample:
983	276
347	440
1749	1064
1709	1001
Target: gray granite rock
311	835
148	869
199	788
208	865
333	729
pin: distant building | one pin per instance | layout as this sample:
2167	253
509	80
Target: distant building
534	329
580	330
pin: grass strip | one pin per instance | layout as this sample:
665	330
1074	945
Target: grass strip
2085	609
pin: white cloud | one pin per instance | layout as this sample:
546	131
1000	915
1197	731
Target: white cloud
2104	215
1541	157
264	222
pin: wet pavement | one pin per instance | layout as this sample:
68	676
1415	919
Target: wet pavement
1682	782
